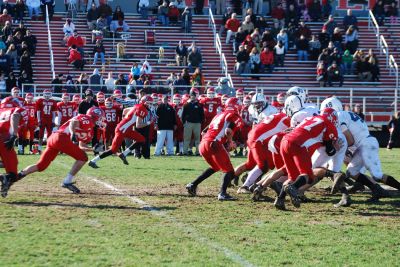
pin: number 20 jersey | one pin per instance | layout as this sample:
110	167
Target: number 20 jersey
84	132
354	124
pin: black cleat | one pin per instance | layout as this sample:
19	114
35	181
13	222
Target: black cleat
257	193
191	188
71	187
294	195
277	187
5	185
378	192
355	187
225	197
305	199
236	180
93	165
344	202
123	158
280	203
252	187
338	178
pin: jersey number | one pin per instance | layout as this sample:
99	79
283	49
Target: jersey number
111	117
316	122
355	117
47	109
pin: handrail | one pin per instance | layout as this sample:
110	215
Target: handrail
384	48
50	43
394	70
372	23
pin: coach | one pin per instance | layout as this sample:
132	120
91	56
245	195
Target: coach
192	118
166	126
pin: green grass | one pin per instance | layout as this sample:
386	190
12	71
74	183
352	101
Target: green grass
42	224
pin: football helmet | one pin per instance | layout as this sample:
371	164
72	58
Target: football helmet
97	115
29	97
293	104
299	91
259	101
211	92
194	91
176	99
100	97
247	101
117	93
65	97
232	103
331	115
147	100
332	102
47	94
108	103
280	98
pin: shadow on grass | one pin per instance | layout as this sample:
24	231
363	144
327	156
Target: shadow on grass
85	206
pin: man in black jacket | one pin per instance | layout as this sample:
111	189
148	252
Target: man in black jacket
84	106
166	126
192	118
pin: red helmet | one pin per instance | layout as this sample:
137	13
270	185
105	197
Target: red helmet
10	102
108	103
160	96
29	97
247	101
211	92
194	91
185	98
65	97
177	99
97	114
240	93
100	97
331	115
146	100
219	95
47	93
224	98
76	98
154	96
281	98
232	103
117	93
15	92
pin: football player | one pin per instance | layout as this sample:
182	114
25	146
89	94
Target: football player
178	133
71	139
30	107
212	148
260	109
46	110
240	96
100	97
113	117
211	105
66	110
279	103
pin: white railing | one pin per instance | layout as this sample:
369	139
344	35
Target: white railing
50	43
394	70
384	49
373	24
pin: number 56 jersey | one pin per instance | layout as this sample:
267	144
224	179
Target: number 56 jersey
84	132
351	122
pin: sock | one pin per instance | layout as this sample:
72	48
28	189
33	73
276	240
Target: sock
20	147
362	179
348	181
300	181
226	180
95	159
253	175
104	154
390	181
68	179
282	194
329	173
207	173
131	148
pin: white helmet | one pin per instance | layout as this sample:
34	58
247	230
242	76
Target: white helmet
258	100
299	91
332	102
293	104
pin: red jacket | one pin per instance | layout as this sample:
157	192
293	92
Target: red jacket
78	41
232	24
267	58
74	55
278	13
173	12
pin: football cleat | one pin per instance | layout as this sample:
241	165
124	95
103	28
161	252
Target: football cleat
71	187
5	185
123	158
252	187
294	195
277	187
225	197
243	190
280	203
191	188
93	165
257	193
377	193
338	178
344	202
355	187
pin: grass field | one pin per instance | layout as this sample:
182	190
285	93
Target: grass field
140	215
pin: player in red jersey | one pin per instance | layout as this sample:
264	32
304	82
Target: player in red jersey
241	136
30	107
12	117
126	129
113	117
279	103
101	98
71	139
66	110
240	96
46	110
117	94
297	148
212	148
211	105
178	133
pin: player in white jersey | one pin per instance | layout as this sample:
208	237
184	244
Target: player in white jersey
366	152
260	109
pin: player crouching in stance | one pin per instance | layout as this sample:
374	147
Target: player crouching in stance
71	139
126	129
212	148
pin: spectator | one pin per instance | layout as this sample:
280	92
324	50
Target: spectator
26	82
96	80
242	61
336	56
197	78
303	30
171	78
13	55
7	30
335	75
58	84
358	111
106	10
283	37
302	48
31	42
33	8
146	69
194	59
173	13
279	54
315	10
92	16
324	38
179	85
255	61
11	81
7	6
186	76
268	39
75	58
82	81
121	83
187	19
364	70
180	4
379	12
99	51
118	27
50	8
393	13
267	60
330	25
87	102
5	17
374	66
394	130
278	15
101	24
19	11
349	20
78	41
321	74
144	8
330	47
118	14
21	28
347	61
292	16
163	14
181	54
261	24
68	29
337	39
232	25
247	25
4	62
3	86
192	118
351	39
135	71
326	8
227	15
70	85
110	83
315	47
198	9
166	126
240	36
